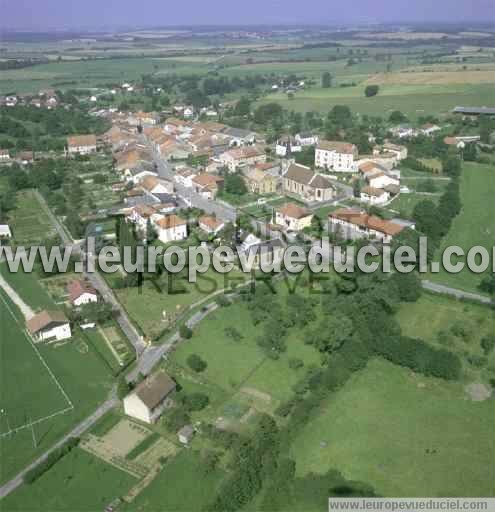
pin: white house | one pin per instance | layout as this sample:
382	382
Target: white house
399	151
154	185
170	228
5	231
335	155
4	155
286	146
210	224
293	217
184	176
185	434
49	326
429	129
81	144
149	399
81	293
306	139
373	195
402	132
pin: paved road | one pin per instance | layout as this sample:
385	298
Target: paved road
222	210
14	297
77	431
454	292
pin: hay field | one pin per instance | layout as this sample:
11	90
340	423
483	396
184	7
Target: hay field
434	77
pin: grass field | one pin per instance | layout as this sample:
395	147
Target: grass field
155	308
404	434
412	100
181	486
239	364
32	393
78	482
404	204
29	223
475	225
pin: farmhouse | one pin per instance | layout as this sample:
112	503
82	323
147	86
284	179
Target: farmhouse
149	399
307	184
353	224
335	155
81	144
170	228
237	157
377	176
398	150
49	326
241	137
306	139
210	225
81	293
293	217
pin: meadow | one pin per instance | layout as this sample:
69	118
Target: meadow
404	434
474	226
78	482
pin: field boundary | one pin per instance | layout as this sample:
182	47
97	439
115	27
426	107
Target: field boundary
70	407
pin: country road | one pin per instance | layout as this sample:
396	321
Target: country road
454	292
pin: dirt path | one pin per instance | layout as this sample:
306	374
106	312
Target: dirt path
14	297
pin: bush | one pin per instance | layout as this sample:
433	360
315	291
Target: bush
195	401
52	458
295	363
196	363
371	90
185	332
223	301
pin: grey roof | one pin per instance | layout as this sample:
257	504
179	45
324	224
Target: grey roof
320	181
299	173
474	110
154	389
186	431
145	199
165	198
238	132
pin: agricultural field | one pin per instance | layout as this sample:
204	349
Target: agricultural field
29	223
404	434
412	100
78	482
474	226
404	204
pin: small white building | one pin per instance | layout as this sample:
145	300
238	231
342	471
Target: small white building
210	224
149	399
373	195
49	326
286	146
81	144
4	155
306	139
5	231
186	434
293	217
170	228
81	293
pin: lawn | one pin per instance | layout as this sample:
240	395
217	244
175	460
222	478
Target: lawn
404	434
78	482
29	222
182	485
404	204
474	226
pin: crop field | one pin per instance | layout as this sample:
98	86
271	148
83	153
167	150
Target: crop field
30	224
78	482
474	226
404	434
434	78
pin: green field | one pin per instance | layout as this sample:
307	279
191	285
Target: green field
412	100
404	204
30	224
182	485
78	482
237	364
474	226
81	373
404	434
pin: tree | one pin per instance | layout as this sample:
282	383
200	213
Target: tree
408	285
122	387
326	80
176	418
196	363
371	90
243	107
185	332
98	312
195	401
487	285
150	231
397	117
356	188
425	214
234	184
488	344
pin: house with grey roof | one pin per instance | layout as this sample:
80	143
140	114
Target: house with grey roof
307	184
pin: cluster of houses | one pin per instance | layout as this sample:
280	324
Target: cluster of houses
47	98
407	132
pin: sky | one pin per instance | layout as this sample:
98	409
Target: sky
50	14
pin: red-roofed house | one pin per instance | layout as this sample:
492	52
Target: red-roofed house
81	293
